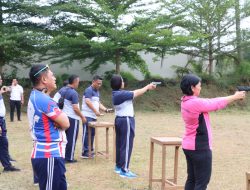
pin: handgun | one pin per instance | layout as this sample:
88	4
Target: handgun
243	88
109	110
156	83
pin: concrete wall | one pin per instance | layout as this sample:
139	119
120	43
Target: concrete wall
155	68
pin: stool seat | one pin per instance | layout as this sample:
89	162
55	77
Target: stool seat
104	125
100	124
165	142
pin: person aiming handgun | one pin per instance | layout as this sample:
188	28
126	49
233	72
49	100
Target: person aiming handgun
197	138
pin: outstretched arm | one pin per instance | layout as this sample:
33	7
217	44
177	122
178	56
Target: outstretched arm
141	91
213	104
238	95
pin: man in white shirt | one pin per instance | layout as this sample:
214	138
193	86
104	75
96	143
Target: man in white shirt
16	99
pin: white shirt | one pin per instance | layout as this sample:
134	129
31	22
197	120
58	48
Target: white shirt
2	107
70	98
123	103
94	96
16	92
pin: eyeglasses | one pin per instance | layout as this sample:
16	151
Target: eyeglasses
46	67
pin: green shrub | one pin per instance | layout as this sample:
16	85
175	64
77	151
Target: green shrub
25	83
242	72
108	75
180	71
240	76
149	76
106	84
61	78
127	76
206	78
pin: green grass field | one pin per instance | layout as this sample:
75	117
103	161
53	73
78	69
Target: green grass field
231	154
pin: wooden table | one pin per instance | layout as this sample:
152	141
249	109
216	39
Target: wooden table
104	125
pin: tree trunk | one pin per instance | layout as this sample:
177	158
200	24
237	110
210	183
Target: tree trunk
1	14
238	31
1	66
210	56
1	48
219	38
117	61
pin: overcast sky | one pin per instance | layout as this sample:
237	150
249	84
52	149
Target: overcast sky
245	23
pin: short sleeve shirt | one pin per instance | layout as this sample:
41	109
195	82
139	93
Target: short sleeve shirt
123	103
2	107
94	96
16	92
48	139
70	97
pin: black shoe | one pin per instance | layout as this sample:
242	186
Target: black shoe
19	120
70	161
12	160
85	155
11	169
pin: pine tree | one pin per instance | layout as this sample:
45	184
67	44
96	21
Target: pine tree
99	30
19	35
213	20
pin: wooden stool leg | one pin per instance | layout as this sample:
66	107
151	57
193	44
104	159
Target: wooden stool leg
96	142
248	181
89	141
107	143
176	163
163	180
114	145
151	164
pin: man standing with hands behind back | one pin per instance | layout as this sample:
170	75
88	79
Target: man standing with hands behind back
90	109
16	99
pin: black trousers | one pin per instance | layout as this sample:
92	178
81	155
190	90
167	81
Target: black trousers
85	142
4	145
50	173
125	133
72	134
15	104
199	168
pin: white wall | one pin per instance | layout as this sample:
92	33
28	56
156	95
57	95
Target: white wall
166	71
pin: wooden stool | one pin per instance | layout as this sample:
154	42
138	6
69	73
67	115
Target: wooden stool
164	142
248	180
96	126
